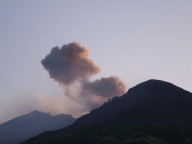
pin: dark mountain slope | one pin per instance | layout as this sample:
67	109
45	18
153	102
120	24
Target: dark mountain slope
152	102
157	102
121	134
146	102
34	123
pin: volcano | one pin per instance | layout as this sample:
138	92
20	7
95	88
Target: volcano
151	102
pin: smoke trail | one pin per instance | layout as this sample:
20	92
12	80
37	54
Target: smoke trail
72	68
106	87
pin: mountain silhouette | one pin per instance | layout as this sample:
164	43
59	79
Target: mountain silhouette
29	125
150	102
153	101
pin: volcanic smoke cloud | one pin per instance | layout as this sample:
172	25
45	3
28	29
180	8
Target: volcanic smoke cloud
71	67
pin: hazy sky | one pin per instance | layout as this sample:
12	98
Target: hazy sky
135	40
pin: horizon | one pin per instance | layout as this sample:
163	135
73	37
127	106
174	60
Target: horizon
83	114
132	40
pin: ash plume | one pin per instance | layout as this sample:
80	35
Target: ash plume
106	87
71	67
70	63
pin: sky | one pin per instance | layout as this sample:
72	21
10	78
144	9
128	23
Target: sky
132	40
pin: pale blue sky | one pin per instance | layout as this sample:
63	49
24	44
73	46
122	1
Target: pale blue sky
134	40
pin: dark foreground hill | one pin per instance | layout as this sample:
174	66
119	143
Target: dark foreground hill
162	106
120	134
32	124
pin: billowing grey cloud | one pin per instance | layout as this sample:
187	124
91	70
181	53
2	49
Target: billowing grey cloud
106	87
71	67
70	63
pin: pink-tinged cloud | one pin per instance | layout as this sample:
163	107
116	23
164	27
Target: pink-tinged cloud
70	63
106	87
71	67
